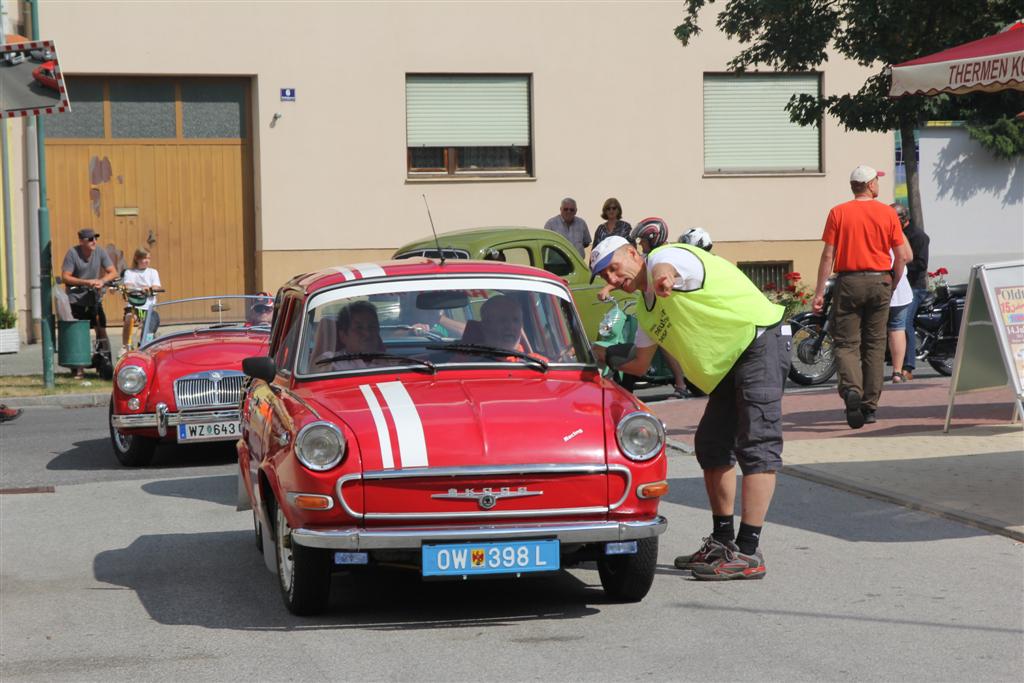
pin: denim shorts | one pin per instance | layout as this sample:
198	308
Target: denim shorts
898	317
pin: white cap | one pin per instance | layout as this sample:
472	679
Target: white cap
602	254
864	174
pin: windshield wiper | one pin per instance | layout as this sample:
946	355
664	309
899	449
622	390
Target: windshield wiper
377	356
485	350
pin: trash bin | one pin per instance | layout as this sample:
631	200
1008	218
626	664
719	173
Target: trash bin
74	345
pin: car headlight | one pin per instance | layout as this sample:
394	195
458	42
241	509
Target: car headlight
320	446
641	436
131	379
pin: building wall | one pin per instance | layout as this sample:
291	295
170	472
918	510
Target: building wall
617	110
973	203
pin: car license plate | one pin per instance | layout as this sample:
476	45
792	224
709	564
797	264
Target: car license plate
212	431
507	557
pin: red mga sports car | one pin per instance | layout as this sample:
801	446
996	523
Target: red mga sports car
184	383
449	416
46	74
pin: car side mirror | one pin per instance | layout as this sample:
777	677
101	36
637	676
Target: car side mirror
260	367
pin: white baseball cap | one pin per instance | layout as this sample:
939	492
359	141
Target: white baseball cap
864	174
602	254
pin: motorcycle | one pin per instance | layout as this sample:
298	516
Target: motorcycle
618	326
936	325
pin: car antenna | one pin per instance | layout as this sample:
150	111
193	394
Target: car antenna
440	251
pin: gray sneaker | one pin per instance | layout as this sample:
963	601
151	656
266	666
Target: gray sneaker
710	550
732	566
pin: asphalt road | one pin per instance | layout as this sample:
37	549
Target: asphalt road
18	90
152	575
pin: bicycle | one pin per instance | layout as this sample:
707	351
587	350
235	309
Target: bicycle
135	300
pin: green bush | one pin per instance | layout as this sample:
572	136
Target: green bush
8	319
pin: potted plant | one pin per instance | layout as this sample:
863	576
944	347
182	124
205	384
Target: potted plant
9	342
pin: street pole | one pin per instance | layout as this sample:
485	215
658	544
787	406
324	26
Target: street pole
45	246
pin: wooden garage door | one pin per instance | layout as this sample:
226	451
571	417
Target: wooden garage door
158	163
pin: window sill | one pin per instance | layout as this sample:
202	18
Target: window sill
766	174
427	180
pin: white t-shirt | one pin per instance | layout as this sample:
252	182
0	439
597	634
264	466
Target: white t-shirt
691	277
903	294
136	278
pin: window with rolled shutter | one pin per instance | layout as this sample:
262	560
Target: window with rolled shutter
468	124
747	128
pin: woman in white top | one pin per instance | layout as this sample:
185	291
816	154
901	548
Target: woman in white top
897	328
139	276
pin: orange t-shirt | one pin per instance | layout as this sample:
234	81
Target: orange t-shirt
863	232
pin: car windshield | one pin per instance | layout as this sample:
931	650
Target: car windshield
202	313
430	325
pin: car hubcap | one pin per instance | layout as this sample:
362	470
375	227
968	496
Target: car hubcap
284	554
121	440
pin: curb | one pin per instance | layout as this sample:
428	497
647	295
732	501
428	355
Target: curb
82	400
983	523
684	448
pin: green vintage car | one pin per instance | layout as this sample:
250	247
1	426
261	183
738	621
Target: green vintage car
528	246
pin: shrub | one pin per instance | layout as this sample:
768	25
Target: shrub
794	295
8	319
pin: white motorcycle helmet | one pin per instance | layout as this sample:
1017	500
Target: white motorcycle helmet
697	237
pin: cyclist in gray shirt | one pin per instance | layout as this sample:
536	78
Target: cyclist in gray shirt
84	272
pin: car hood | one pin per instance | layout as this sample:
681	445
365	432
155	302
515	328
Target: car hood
209	350
438	422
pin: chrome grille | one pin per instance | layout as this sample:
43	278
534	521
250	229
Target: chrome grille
208	389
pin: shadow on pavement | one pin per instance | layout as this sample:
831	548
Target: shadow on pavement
98	454
180	580
220	489
850	517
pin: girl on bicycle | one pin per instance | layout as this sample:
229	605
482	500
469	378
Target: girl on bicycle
141	277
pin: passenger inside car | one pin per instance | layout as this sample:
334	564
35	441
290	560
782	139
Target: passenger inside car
502	320
358	332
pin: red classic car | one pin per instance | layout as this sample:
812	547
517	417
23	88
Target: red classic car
449	416
184	383
46	74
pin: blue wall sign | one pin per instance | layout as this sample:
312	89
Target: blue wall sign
287	94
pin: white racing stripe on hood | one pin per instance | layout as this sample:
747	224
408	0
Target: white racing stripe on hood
387	458
412	444
349	275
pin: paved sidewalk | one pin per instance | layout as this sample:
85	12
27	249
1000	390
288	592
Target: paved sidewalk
974	474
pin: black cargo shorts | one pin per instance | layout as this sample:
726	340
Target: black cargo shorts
742	423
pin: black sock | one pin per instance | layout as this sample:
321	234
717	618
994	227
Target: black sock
723	529
748	538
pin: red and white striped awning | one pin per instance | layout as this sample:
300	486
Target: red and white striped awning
987	65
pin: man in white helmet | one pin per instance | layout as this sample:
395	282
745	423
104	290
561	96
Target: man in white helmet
729	339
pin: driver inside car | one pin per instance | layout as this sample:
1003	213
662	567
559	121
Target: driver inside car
502	320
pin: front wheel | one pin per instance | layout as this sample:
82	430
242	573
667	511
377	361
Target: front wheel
628	578
304	574
131	450
811	363
942	364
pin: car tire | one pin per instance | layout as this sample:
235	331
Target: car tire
131	450
628	578
258	530
303	574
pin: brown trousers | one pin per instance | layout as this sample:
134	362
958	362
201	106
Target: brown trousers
860	313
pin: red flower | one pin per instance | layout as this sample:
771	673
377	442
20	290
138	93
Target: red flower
942	271
770	287
792	277
933	274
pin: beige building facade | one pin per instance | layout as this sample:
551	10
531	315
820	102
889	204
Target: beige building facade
614	106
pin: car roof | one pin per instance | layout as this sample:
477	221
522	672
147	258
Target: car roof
412	267
477	240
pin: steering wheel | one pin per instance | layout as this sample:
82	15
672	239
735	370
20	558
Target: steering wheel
414	332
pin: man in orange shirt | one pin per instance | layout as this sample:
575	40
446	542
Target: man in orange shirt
865	248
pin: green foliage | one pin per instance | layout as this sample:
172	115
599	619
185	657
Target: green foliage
796	35
8	319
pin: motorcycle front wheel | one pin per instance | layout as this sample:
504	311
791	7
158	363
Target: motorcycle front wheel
942	365
807	367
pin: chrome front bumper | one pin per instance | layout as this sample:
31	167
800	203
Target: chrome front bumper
162	418
411	538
